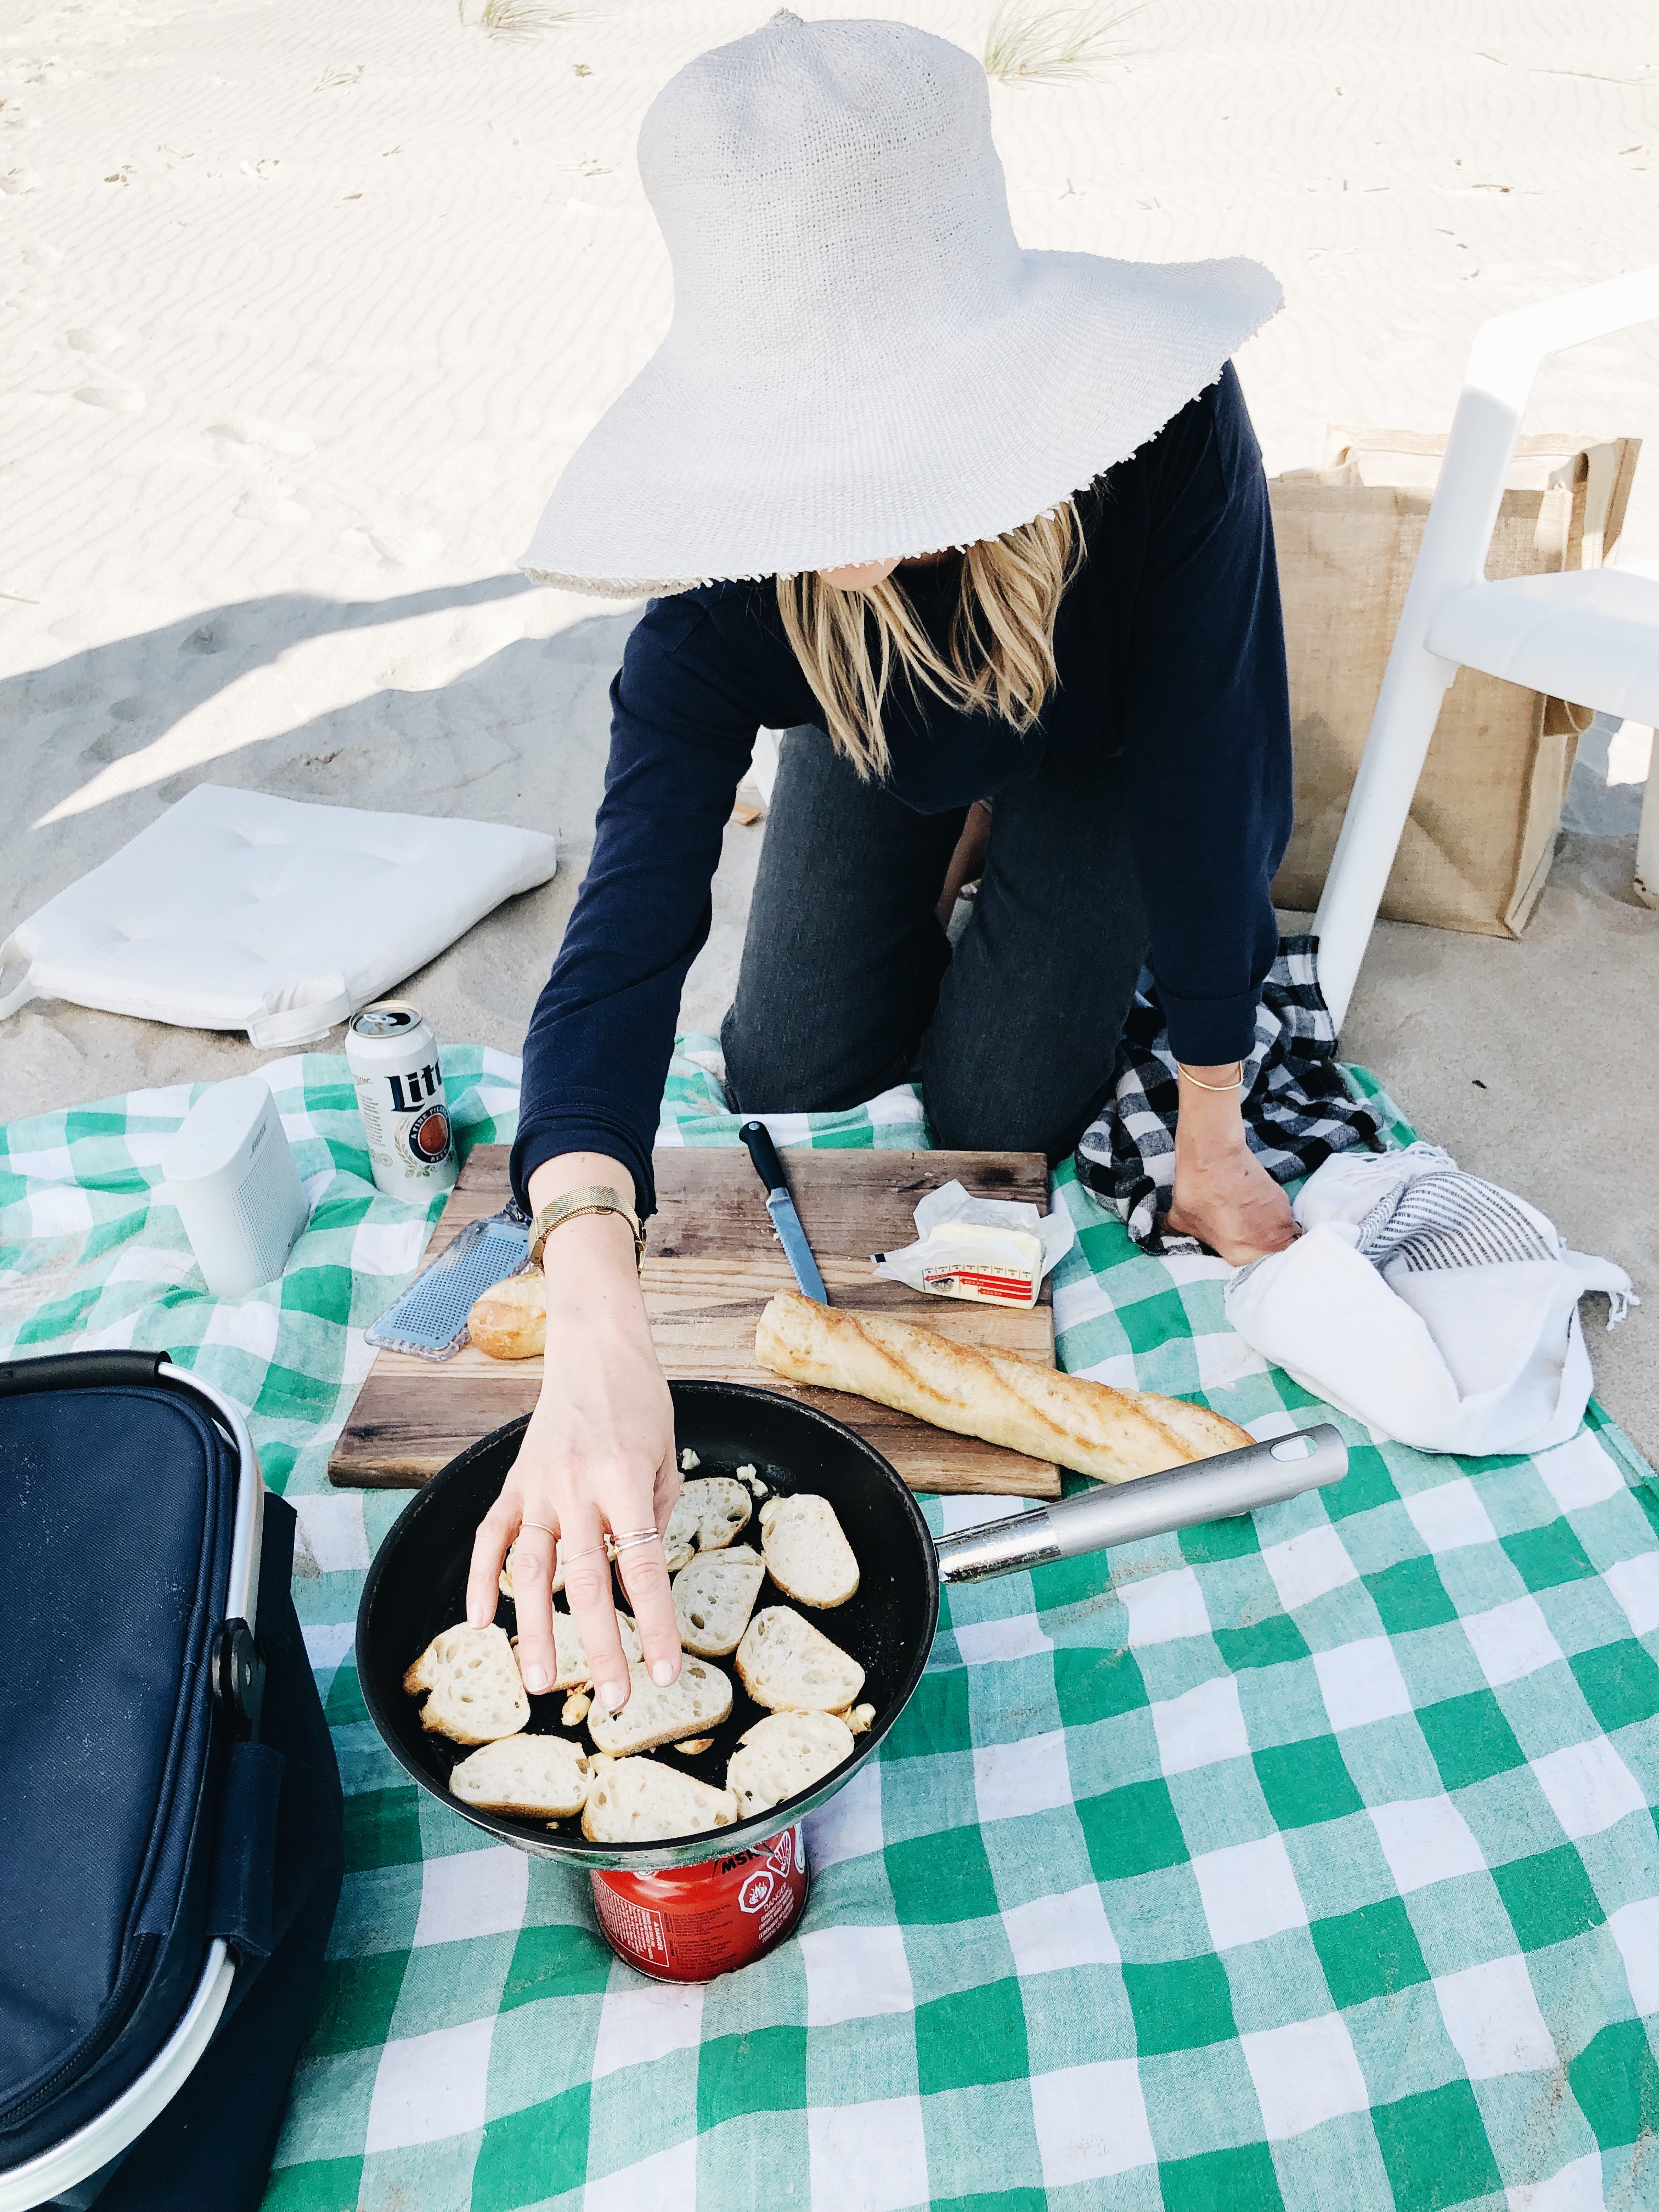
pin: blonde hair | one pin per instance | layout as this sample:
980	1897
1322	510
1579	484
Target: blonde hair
999	657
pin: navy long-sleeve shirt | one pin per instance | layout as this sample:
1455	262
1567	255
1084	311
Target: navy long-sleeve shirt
1170	651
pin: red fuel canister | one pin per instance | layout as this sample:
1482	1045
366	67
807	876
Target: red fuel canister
689	1923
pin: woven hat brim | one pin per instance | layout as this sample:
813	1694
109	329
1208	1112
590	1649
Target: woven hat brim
704	471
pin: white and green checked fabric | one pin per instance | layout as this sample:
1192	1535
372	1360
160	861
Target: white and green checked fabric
1304	1860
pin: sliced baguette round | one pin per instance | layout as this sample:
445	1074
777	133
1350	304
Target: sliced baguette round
708	1514
784	1754
470	1679
540	1778
635	1802
714	1597
570	1667
509	1320
788	1666
698	1701
807	1554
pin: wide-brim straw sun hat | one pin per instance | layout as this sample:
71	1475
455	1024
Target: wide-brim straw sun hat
863	362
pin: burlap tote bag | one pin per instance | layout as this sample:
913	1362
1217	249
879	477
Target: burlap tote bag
1477	848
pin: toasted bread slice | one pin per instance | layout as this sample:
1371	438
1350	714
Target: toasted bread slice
714	1598
708	1513
540	1778
784	1754
807	1554
470	1680
788	1666
635	1801
698	1701
570	1668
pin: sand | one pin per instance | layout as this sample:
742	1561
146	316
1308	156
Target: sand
306	306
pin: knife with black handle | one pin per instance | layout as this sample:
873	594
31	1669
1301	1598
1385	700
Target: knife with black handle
781	1207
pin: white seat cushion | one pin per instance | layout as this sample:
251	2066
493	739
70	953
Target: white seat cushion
237	910
1590	635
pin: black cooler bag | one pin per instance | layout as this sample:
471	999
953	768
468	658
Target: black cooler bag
170	1842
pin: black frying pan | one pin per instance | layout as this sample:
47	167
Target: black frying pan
417	1583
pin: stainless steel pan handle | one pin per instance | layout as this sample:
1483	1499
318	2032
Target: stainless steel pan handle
1208	1490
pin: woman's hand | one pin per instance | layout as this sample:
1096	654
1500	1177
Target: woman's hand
598	1457
1223	1194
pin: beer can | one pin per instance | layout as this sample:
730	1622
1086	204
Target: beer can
393	1058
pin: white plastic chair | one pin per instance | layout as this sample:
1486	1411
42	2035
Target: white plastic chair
1591	636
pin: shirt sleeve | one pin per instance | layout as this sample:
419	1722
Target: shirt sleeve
600	1041
1209	727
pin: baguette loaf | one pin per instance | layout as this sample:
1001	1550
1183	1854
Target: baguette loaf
509	1320
1087	1426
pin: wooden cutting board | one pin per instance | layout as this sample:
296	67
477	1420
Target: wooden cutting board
712	1264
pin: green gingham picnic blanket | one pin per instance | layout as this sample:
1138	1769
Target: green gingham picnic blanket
1304	1859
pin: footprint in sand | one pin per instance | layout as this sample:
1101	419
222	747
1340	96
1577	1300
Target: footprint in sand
96	338
275	506
118	398
273	437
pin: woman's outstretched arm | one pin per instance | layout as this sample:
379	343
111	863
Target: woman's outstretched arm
599	1453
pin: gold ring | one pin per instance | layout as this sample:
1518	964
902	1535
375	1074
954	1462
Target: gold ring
540	1525
634	1536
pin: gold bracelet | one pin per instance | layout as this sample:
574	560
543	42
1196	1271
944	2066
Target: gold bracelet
1199	1085
592	1198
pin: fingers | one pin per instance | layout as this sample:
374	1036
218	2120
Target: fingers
484	1582
666	1494
533	1599
588	1590
644	1572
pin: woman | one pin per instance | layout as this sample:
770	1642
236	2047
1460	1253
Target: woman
864	368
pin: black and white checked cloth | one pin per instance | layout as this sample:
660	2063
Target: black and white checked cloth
1298	1109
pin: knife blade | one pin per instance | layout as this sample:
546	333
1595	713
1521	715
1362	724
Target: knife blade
781	1207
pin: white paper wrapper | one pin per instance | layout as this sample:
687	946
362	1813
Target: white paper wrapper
996	1251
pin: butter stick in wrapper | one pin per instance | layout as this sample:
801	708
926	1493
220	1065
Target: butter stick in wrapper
996	1251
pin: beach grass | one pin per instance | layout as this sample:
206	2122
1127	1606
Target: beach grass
1028	43
517	19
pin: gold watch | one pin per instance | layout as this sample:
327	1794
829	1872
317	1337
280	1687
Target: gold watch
591	1198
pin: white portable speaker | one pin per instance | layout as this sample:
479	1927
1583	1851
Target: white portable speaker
231	1174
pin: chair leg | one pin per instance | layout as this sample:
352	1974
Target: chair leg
1647	837
1408	708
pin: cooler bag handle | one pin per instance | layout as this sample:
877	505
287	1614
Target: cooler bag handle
274	1809
80	1371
